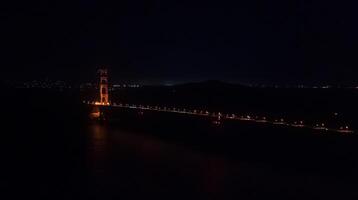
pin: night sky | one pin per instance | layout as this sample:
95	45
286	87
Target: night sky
153	41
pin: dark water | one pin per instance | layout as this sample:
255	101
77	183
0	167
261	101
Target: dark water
55	152
106	162
123	164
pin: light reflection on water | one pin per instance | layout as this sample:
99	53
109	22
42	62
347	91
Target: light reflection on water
118	158
97	150
125	164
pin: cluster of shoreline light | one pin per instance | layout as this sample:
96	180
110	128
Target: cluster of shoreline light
219	116
44	84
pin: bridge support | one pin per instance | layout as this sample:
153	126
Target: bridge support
103	86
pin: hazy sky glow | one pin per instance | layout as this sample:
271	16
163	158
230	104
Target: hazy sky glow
176	41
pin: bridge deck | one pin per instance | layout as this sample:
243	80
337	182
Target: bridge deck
219	116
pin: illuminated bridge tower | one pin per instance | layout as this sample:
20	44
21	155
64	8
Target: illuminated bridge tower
103	86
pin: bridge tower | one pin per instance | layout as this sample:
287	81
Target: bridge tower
103	86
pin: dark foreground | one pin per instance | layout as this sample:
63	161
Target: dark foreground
54	152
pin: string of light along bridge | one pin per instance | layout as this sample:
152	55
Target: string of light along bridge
219	116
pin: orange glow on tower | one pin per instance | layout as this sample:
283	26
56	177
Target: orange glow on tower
103	86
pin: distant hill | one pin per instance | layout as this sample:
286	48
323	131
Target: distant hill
210	84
